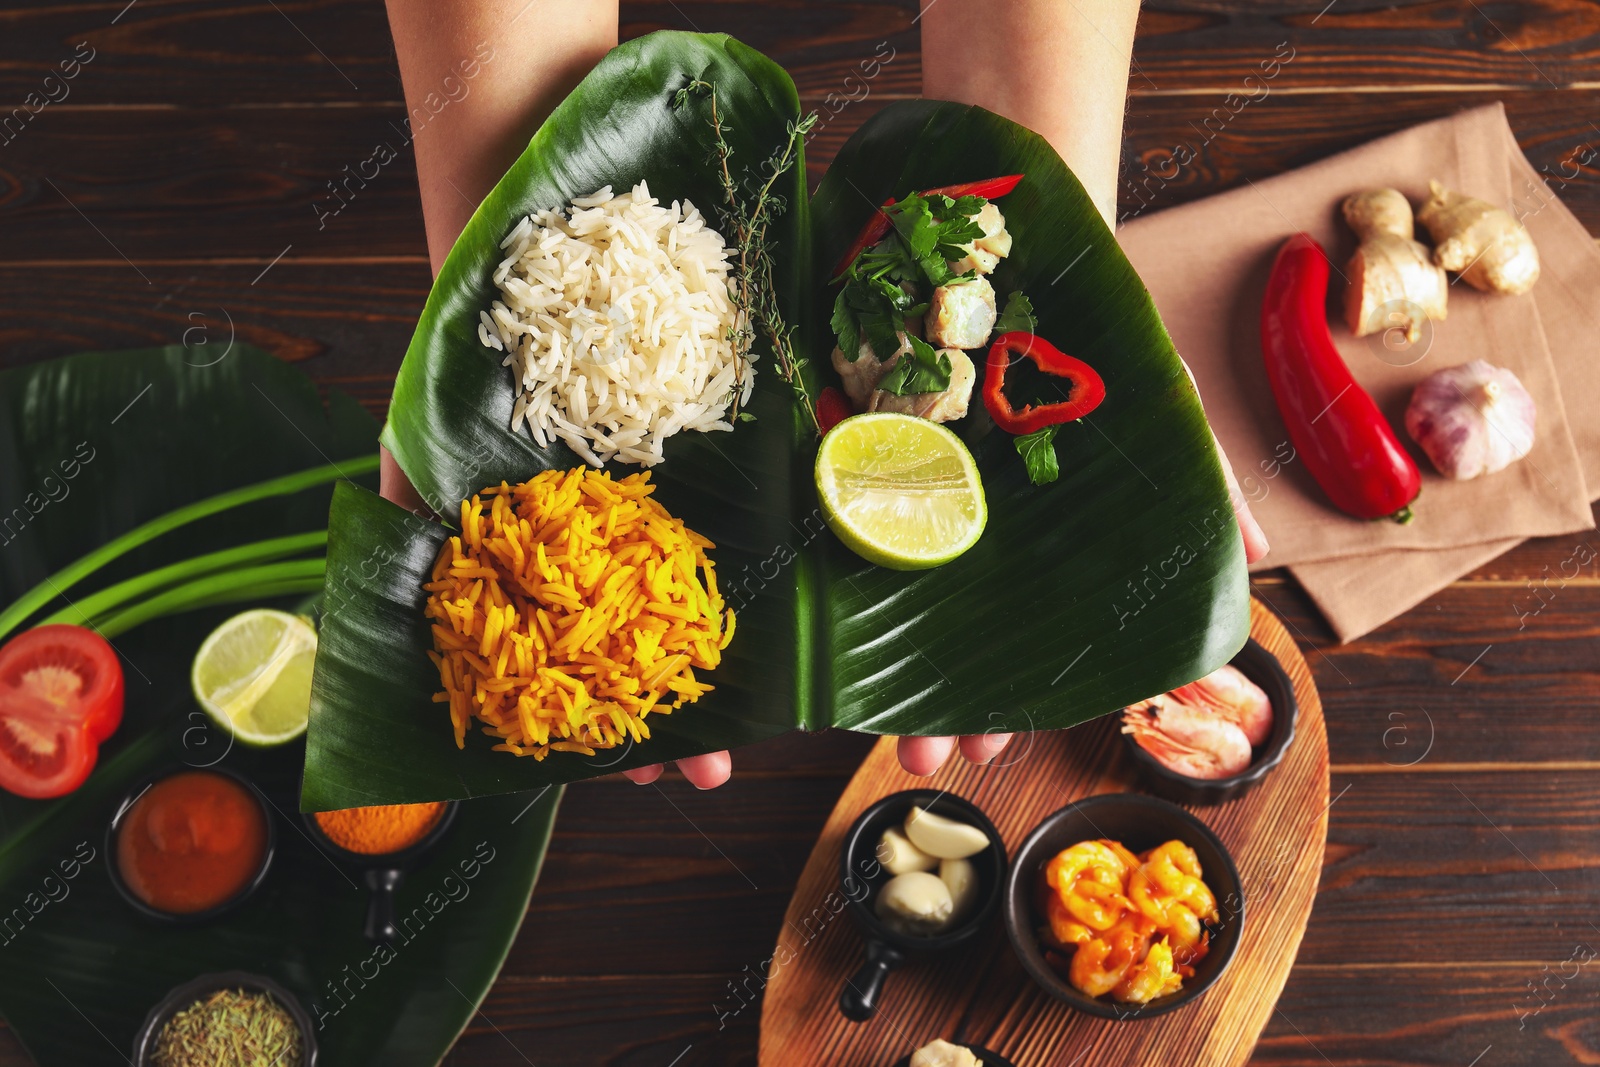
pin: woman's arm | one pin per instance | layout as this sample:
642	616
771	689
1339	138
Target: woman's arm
498	67
538	50
1058	67
525	56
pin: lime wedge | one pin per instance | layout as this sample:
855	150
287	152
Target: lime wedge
253	676
899	490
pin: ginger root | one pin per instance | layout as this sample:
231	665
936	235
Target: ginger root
1484	244
1391	281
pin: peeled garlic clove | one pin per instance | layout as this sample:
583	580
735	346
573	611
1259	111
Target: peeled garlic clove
900	856
942	1053
915	903
959	877
942	837
1471	419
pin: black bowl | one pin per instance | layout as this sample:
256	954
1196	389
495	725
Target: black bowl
1262	668
144	1043
987	1058
861	876
1140	823
193	917
382	872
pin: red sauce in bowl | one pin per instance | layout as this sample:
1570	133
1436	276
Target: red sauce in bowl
191	842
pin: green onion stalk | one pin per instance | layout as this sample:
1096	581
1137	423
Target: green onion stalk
246	572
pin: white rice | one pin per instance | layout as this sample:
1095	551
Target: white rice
616	321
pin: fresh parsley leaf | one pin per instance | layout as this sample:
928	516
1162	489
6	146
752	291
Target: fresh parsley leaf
921	370
1038	452
843	324
879	286
1018	315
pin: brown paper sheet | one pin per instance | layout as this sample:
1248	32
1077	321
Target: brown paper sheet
1358	600
1362	574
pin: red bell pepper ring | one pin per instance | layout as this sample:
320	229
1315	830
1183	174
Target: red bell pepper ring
878	225
1088	390
1347	444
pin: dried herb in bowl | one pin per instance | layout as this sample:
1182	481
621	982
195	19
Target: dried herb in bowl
230	1028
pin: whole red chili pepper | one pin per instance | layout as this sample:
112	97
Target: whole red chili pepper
1087	387
878	225
1347	444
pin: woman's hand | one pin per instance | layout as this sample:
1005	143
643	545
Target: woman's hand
1060	69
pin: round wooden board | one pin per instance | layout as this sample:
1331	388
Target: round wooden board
981	994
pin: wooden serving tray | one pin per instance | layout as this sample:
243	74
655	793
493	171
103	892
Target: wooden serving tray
981	994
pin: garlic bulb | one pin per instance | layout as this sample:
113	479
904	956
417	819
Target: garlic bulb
1471	419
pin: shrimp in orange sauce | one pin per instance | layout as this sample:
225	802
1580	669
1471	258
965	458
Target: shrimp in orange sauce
1126	925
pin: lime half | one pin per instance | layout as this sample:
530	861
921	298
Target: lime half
899	490
253	676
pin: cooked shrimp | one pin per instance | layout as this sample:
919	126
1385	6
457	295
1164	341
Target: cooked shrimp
1061	873
1187	739
1065	931
1231	696
1101	964
1155	977
1096	906
1176	869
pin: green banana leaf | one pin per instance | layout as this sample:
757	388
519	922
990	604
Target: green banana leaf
91	446
1123	578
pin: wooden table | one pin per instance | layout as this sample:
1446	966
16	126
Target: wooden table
177	186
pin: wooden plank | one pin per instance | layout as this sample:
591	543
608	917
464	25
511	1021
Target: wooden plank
190	53
673	876
1507	855
1457	670
347	323
1232	140
258	183
209	184
1532	1012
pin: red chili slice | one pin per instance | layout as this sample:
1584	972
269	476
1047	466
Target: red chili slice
878	225
61	694
833	407
1088	390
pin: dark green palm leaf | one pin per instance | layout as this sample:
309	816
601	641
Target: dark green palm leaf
375	733
1122	578
142	433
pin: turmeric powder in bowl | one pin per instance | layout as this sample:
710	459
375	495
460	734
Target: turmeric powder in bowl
381	829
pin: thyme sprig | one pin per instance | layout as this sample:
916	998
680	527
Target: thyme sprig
748	220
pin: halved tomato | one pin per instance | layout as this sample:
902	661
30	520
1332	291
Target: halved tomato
61	694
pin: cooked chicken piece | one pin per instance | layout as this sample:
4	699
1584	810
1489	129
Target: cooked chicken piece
961	314
943	406
863	376
984	254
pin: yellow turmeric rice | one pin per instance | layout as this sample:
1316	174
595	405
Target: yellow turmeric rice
569	608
